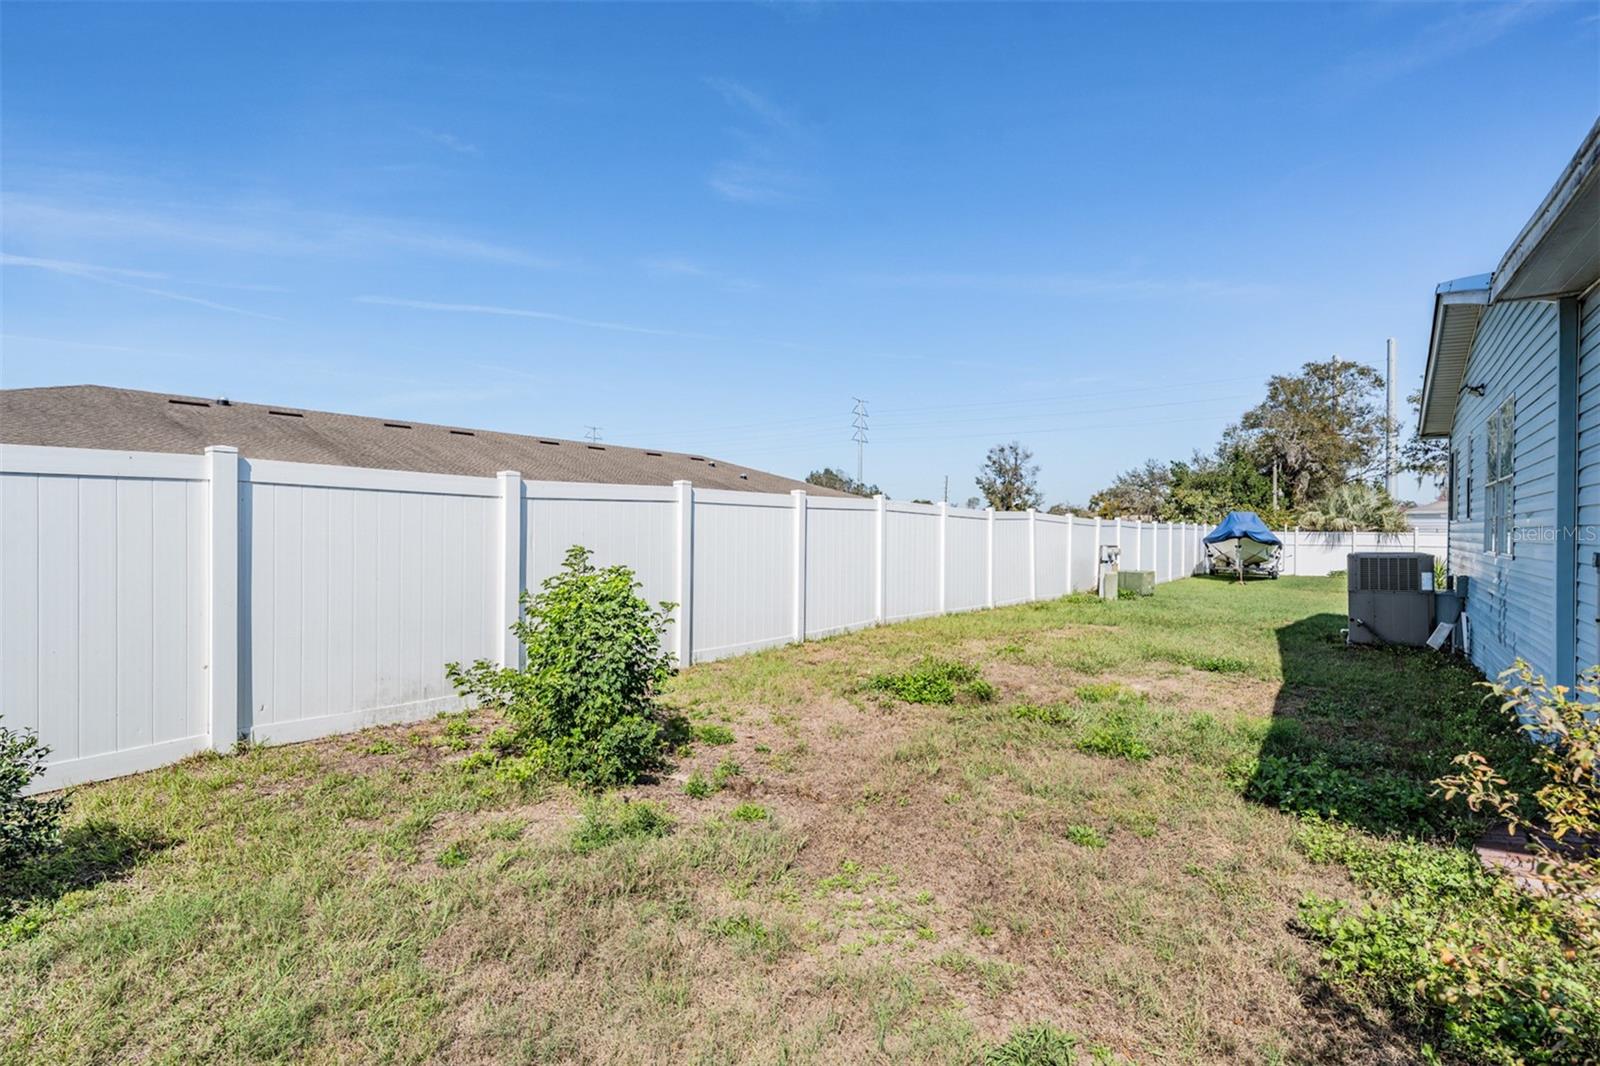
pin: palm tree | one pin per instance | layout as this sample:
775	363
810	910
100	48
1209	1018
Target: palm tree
1354	505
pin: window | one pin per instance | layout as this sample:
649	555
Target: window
1499	456
1450	487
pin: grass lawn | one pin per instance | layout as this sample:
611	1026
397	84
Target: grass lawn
841	876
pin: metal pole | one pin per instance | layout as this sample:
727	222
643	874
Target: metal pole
1391	465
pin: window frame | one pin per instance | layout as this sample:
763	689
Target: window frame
1499	485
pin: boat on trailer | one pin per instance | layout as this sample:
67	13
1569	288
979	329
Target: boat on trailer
1243	543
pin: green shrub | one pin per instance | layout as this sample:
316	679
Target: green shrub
936	681
607	820
1489	972
749	812
1050	714
1115	738
584	705
1086	836
713	734
1034	1045
29	826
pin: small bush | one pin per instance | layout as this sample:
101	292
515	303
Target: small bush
713	734
1034	1045
584	705
1114	738
936	681
28	826
1085	836
1488	972
1050	714
749	812
607	820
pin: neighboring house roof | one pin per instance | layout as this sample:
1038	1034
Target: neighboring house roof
1431	510
1556	254
97	416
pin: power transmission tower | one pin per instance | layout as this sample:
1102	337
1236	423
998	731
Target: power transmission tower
858	423
593	435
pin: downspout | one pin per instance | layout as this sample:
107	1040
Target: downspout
1566	575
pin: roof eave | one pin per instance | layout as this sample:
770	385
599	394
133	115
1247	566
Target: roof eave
1457	306
1558	251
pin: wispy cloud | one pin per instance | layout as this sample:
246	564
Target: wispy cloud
1464	29
672	267
120	278
253	229
446	139
1109	285
776	150
524	312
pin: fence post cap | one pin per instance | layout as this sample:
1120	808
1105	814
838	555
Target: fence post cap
221	449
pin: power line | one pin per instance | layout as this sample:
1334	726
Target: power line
593	435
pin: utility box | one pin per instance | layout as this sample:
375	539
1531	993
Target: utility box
1138	582
1391	598
1106	582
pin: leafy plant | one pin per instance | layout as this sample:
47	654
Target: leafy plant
607	820
1563	815
584	705
1114	737
749	812
1050	714
712	733
936	681
29	826
698	786
1034	1045
1086	836
1490	972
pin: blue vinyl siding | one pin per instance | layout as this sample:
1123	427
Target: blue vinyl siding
1512	602
1588	532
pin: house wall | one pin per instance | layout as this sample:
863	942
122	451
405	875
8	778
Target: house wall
1588	511
1511	603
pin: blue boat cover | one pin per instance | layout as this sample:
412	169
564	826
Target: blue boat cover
1243	525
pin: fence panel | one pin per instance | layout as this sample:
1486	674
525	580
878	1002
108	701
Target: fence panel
966	560
912	556
1010	558
355	597
1085	555
841	565
743	572
1050	536
101	609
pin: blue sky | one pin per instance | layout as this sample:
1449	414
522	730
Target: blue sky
1095	229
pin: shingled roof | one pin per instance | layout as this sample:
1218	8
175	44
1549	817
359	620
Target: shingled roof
97	416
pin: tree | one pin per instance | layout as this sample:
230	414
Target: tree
1206	487
829	478
1323	427
1356	505
1008	480
1064	509
1137	493
1428	458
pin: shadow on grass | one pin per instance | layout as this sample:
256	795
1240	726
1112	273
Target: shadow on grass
1359	734
91	853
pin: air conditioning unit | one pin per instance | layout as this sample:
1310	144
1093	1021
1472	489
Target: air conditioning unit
1391	597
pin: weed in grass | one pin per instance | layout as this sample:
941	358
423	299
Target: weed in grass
455	855
936	681
608	820
749	812
1049	714
382	746
1102	692
1085	836
713	734
726	771
1034	1045
510	829
1114	737
698	786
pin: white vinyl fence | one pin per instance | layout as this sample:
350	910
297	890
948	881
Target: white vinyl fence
157	605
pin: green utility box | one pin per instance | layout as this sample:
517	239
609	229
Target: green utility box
1138	582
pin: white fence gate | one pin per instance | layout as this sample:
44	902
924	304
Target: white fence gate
156	605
